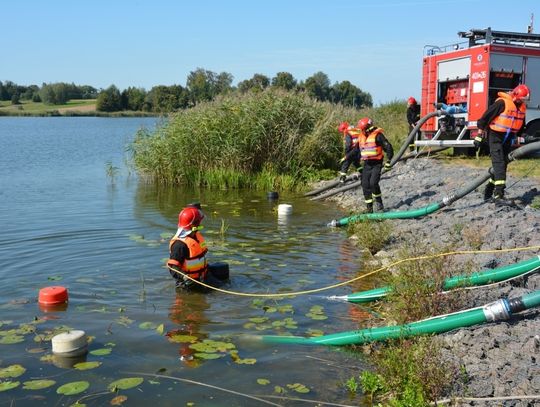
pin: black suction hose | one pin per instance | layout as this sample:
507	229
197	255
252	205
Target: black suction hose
413	132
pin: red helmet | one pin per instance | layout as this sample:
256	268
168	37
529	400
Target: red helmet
411	101
520	92
343	126
365	123
190	217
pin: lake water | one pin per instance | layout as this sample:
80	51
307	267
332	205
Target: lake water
65	221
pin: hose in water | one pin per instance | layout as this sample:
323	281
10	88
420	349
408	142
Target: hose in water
498	311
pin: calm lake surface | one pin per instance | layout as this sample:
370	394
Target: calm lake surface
65	221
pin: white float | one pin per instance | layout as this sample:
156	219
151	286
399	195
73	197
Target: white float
284	209
71	343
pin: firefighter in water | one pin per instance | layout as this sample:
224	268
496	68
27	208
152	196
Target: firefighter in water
501	123
352	151
413	115
373	147
187	248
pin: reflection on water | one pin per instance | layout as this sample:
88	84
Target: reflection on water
188	316
66	223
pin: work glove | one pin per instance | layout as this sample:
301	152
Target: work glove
478	140
342	160
387	166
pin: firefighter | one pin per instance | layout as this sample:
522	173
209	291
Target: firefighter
501	123
373	147
352	151
187	248
413	115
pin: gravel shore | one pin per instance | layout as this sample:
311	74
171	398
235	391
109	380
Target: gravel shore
500	359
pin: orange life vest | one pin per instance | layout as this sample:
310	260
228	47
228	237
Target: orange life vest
355	136
195	264
511	119
369	150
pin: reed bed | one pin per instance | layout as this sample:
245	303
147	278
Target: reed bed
267	140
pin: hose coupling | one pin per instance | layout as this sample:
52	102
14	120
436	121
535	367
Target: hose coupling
332	224
497	311
449	199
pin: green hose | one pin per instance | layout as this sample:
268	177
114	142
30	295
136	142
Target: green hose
414	213
446	201
435	325
480	278
497	311
532	300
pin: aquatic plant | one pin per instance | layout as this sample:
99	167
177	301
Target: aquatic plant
272	139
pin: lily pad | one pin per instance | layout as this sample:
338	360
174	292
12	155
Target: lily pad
12	371
86	365
209	355
298	387
160	329
285	308
8	385
247	361
69	389
263	382
176	338
126	383
315	332
147	325
316	317
279	389
38	384
123	320
211	346
11	339
136	238
101	352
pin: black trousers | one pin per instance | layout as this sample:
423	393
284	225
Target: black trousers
499	148
351	157
371	175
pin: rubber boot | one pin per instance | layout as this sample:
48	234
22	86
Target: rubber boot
369	207
379	207
498	193
488	191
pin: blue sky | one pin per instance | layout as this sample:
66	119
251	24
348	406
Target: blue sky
376	45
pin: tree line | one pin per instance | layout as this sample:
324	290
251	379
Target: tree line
201	86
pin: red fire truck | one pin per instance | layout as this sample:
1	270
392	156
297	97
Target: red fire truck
468	75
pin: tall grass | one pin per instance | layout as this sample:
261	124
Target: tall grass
272	139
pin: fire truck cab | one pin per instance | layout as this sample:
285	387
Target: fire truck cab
467	76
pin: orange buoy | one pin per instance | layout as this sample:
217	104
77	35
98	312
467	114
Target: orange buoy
53	295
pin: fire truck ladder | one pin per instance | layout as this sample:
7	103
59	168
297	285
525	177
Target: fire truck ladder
487	36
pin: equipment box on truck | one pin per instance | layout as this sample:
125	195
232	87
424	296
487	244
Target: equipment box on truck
467	76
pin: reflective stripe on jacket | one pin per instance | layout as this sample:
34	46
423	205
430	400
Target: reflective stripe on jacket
511	119
195	264
369	150
355	136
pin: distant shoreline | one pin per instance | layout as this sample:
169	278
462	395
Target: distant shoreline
76	113
72	108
